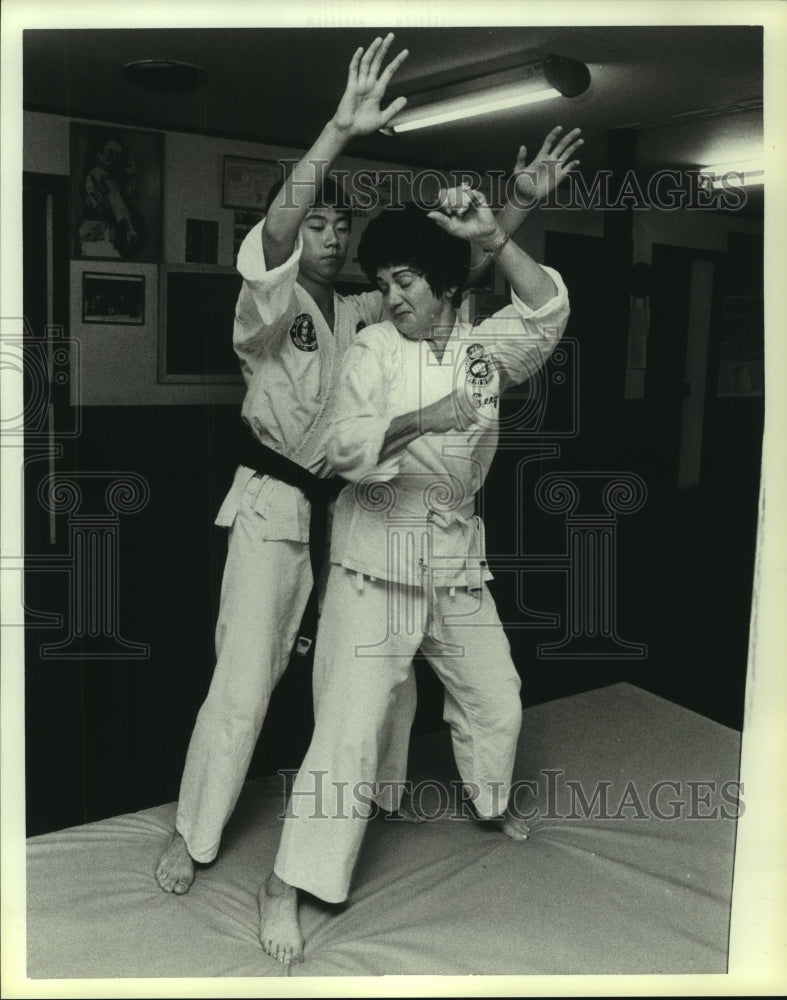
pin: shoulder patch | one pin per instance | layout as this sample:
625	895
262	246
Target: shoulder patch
478	368
303	334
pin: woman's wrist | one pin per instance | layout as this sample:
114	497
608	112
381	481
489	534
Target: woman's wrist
494	242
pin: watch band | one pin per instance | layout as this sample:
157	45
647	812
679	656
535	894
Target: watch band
493	251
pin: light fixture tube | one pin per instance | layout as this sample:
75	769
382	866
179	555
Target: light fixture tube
554	76
749	172
481	104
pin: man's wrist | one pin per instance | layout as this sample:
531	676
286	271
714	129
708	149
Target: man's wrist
343	131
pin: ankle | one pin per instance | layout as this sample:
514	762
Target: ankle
274	886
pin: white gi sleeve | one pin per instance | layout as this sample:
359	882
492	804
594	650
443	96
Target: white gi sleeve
264	298
521	338
359	421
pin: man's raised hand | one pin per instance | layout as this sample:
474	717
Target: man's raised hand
359	111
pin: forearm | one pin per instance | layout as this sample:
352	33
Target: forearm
440	417
527	278
509	219
299	192
401	431
356	453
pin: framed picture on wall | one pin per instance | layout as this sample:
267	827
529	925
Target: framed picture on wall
247	182
196	317
116	180
113	299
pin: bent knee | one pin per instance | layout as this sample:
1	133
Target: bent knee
229	707
510	713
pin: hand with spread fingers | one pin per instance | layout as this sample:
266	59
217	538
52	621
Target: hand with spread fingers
551	165
465	213
359	111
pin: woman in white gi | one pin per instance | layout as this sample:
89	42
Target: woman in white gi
415	426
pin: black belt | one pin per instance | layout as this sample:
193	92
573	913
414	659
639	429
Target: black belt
319	493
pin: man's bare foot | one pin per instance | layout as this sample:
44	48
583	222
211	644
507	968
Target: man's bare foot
514	827
175	871
280	931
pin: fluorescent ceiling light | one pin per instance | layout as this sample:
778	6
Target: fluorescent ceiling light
539	81
747	172
483	104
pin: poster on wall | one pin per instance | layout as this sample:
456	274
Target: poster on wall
196	309
116	193
113	299
247	181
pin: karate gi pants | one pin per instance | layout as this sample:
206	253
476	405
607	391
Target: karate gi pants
367	640
264	591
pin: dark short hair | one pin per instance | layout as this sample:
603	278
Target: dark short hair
331	195
406	235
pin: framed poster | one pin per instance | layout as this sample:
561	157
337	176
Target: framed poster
196	317
202	241
247	182
113	299
116	193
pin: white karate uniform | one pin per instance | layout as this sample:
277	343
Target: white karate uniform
409	569
290	360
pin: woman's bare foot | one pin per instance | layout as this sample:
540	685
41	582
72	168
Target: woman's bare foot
175	871
280	930
514	827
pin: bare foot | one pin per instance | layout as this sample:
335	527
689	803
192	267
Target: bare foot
514	827
280	931
407	812
175	871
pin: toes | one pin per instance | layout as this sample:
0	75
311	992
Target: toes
283	953
164	880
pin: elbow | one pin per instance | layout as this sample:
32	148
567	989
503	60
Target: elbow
348	459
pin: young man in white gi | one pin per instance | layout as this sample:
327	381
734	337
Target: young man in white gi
415	427
291	331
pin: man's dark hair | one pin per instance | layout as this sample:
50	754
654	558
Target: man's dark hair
408	236
331	195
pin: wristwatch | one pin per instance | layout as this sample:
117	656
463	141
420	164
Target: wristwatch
493	251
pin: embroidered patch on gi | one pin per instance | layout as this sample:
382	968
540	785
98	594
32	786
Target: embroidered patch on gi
303	334
477	366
